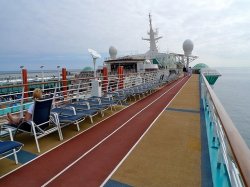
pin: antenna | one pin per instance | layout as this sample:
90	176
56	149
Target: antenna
95	56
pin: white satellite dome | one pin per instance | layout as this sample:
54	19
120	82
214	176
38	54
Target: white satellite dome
188	47
112	52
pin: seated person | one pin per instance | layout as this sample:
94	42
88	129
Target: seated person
37	94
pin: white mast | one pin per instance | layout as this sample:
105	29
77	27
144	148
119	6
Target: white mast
153	38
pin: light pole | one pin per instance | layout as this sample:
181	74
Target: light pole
42	77
95	56
58	69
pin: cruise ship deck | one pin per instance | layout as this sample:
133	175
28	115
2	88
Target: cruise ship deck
170	152
177	135
155	141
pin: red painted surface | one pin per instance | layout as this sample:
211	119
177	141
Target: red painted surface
93	169
121	77
64	81
25	82
105	79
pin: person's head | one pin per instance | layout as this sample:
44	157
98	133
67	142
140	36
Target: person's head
37	94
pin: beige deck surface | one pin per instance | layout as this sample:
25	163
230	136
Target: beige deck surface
170	153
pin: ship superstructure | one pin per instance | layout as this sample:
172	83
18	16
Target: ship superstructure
151	60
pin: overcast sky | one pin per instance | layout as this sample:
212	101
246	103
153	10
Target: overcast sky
59	32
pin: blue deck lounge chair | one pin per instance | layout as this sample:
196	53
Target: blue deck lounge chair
107	101
8	148
40	125
83	108
118	97
94	103
68	115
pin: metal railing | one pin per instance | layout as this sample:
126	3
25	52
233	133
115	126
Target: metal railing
16	102
233	153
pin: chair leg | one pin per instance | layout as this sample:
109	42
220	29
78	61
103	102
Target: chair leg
15	155
37	144
59	130
77	125
36	140
91	119
60	134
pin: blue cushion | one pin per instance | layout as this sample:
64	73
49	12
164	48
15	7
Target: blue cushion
8	145
72	118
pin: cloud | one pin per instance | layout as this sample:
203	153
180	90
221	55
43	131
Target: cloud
44	30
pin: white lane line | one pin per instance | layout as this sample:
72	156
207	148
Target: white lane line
73	163
65	141
132	148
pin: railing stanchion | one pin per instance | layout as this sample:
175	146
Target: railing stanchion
21	103
64	81
25	82
105	79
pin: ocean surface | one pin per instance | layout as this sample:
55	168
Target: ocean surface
233	90
15	76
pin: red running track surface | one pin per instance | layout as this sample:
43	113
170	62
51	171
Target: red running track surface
95	165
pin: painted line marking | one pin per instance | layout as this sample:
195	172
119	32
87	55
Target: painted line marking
183	110
87	152
116	168
65	141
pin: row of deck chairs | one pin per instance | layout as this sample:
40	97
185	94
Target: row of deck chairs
78	109
122	95
47	118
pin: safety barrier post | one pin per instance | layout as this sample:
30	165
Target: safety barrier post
105	79
120	77
64	81
25	82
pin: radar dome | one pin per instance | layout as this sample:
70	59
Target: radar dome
188	47
112	52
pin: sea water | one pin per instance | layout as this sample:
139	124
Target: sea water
7	77
233	90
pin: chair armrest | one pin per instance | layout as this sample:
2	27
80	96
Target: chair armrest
71	108
85	103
